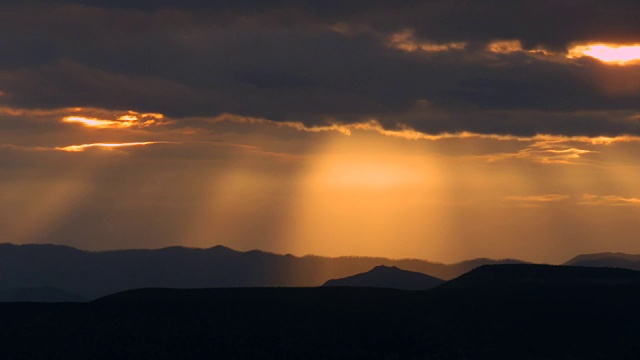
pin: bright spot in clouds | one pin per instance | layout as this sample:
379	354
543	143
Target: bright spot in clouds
83	147
608	53
97	123
128	120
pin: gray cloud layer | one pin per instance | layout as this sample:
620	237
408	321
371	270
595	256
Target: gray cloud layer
316	60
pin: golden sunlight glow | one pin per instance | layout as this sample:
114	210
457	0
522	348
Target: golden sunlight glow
97	123
369	195
608	53
130	119
379	172
83	147
41	203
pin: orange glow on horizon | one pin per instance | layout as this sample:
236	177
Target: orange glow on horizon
608	53
363	172
83	147
362	195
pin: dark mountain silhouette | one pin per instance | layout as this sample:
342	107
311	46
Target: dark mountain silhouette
507	322
618	260
533	275
39	294
388	277
95	274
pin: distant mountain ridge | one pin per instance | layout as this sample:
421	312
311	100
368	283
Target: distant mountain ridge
618	260
532	275
96	274
388	277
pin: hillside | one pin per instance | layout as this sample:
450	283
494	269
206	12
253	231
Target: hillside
590	322
617	260
388	277
533	276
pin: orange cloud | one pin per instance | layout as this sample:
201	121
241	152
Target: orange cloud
373	125
128	120
406	41
608	53
97	123
504	46
608	200
544	154
540	148
538	198
83	147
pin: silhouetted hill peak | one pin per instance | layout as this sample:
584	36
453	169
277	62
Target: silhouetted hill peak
222	249
383	268
619	260
392	277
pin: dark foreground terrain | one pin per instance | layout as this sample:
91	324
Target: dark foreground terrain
591	314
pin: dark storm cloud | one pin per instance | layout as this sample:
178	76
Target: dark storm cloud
284	60
550	22
324	7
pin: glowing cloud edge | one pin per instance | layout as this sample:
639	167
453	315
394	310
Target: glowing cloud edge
83	147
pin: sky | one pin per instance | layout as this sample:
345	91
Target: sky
442	130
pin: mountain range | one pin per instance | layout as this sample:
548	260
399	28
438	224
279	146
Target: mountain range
92	275
619	260
95	274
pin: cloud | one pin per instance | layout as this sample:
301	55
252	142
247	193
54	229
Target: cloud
545	153
538	198
619	54
406	41
487	67
83	147
554	24
129	120
608	200
52	129
549	143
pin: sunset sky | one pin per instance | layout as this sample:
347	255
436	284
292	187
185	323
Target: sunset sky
441	130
